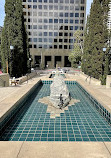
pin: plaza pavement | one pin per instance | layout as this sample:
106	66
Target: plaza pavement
9	95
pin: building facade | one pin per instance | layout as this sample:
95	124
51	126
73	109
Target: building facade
51	25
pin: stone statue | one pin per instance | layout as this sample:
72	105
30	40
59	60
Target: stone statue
59	94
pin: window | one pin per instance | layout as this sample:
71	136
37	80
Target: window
81	28
66	7
29	6
70	40
55	20
66	20
66	1
30	39
76	8
71	27
71	1
65	27
65	46
40	39
61	14
71	14
34	6
60	46
71	21
66	14
76	14
34	0
40	0
45	1
76	27
45	39
50	7
71	34
81	21
50	1
82	8
50	20
35	46
60	40
30	46
50	34
45	21
45	6
76	21
65	40
60	20
65	34
60	34
55	40
34	26
29	0
45	33
55	33
82	15
35	39
56	7
40	6
82	1
29	26
55	1
55	46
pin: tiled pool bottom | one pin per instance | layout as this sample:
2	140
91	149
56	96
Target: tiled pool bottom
81	122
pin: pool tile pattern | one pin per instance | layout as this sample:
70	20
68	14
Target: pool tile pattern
81	122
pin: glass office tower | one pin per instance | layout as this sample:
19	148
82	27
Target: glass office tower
51	25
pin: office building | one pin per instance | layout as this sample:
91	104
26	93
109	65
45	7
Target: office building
51	25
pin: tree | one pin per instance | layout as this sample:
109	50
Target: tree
14	34
76	54
96	37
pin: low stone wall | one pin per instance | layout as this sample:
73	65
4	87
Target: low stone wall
108	81
4	80
89	80
27	77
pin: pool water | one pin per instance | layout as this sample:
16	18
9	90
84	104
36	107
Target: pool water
81	122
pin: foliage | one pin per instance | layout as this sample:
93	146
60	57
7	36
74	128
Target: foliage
75	55
14	34
94	61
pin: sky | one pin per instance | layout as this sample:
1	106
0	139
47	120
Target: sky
2	13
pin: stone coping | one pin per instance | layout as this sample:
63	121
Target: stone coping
9	103
103	99
55	149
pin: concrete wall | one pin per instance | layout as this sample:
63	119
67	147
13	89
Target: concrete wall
50	52
108	81
4	80
89	80
27	77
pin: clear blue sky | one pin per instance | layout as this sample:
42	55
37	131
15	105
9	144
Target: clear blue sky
2	14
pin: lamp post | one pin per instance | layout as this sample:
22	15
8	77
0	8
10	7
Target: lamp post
11	49
30	62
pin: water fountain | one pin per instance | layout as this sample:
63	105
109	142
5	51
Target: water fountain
59	95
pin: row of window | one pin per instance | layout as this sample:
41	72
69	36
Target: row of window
56	14
52	46
35	27
35	20
55	7
51	40
70	34
57	1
